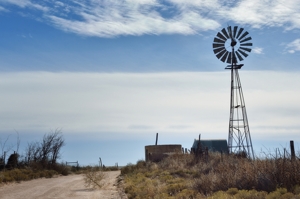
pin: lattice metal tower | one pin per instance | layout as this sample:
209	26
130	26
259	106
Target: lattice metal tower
230	46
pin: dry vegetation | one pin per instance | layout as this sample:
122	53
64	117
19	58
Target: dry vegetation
93	177
40	159
185	177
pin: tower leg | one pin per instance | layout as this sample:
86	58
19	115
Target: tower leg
239	139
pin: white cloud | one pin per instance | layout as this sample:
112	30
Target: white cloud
293	46
277	13
127	103
26	4
257	50
132	17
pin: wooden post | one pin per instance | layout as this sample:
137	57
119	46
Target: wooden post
292	150
206	154
156	138
198	151
221	155
4	159
100	162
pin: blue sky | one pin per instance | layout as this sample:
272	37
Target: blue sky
111	74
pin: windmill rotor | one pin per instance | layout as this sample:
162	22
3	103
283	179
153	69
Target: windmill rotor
232	45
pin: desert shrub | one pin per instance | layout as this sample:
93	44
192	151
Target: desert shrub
61	169
12	161
296	190
112	168
235	177
24	174
232	191
93	177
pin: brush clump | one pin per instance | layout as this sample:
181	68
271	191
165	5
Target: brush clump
183	176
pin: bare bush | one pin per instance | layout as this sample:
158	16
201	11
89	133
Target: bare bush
93	177
47	151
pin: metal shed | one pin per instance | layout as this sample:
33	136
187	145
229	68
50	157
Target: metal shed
212	145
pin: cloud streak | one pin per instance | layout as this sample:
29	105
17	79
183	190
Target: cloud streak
132	103
132	17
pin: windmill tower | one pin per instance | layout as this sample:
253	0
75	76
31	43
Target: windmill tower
230	46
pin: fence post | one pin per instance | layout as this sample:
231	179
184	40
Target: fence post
100	162
292	150
206	154
221	155
4	159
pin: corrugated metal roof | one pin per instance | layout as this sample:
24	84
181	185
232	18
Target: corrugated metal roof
212	145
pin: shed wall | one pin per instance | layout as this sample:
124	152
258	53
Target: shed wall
156	153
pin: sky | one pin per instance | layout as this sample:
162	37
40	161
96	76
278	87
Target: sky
112	74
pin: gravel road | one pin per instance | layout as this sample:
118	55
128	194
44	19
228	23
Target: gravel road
62	187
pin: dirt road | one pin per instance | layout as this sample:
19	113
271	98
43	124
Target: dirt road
62	187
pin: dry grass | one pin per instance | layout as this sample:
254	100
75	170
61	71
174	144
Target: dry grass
182	176
17	175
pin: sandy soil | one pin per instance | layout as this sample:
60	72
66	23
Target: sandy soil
63	187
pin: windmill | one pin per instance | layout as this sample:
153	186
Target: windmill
231	46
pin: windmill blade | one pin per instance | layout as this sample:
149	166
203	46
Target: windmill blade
239	56
236	53
225	33
243	53
217	50
247	39
229	58
246	44
221	36
244	35
223	59
218	40
217	45
229	31
246	49
234	31
221	53
239	33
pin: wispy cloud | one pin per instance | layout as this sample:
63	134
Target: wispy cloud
258	50
293	46
3	9
26	4
132	17
107	19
